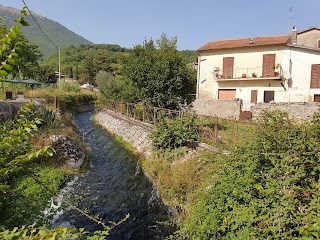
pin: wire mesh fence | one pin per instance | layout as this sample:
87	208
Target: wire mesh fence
211	129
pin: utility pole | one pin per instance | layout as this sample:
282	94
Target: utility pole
59	63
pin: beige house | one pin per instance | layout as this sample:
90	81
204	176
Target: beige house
261	69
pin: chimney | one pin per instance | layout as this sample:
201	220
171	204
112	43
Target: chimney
294	35
251	41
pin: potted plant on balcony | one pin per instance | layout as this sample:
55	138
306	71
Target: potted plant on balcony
216	71
244	75
277	69
254	75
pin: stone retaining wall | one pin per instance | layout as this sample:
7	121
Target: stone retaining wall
132	131
220	108
299	110
8	109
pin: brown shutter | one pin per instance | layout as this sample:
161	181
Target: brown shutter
268	65
228	67
254	96
315	76
226	94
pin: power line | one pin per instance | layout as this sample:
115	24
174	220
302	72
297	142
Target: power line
57	47
38	24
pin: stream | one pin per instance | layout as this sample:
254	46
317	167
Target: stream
114	186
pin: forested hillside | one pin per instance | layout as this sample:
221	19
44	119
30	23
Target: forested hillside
57	33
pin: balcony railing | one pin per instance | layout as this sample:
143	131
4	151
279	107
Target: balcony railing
246	73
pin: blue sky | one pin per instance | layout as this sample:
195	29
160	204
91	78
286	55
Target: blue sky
128	22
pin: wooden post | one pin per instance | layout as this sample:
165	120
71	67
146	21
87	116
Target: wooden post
216	130
154	116
237	132
55	103
134	111
143	113
127	109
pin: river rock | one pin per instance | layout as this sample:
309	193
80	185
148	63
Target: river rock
68	151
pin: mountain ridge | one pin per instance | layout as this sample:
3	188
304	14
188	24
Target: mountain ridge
56	32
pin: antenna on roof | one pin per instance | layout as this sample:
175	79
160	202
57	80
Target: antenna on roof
289	19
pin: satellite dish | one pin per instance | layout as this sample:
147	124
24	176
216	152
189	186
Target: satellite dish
286	75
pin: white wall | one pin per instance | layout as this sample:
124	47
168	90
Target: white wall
302	60
298	90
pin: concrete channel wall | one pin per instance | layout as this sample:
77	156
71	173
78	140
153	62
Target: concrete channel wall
132	131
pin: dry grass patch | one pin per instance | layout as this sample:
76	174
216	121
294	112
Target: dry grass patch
178	181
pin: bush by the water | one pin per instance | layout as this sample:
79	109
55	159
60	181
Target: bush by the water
170	134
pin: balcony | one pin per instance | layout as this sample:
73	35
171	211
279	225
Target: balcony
243	74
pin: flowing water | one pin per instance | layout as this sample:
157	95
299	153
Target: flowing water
114	186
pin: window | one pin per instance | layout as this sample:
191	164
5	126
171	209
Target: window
316	98
315	76
318	43
268	65
268	96
228	67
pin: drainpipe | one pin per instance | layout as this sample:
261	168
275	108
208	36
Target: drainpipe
198	77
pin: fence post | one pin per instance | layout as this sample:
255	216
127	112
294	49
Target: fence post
237	132
134	111
216	130
154	116
55	103
143	113
127	109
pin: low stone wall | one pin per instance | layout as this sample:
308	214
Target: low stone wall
131	130
299	110
8	109
220	108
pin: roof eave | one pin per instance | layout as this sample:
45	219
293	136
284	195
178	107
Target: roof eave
249	46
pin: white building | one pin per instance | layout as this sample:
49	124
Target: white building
261	69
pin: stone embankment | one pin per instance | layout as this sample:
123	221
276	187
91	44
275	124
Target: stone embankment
132	131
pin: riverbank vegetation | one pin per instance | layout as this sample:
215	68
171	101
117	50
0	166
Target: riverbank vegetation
267	188
30	173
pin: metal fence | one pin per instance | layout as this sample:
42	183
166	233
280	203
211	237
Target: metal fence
211	129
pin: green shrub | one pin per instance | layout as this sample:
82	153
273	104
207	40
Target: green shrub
170	134
267	189
69	86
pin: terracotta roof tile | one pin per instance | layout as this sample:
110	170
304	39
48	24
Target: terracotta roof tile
245	42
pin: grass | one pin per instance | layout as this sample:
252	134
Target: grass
230	133
30	198
12	87
66	100
178	181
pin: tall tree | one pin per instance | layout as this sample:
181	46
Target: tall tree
160	74
87	70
